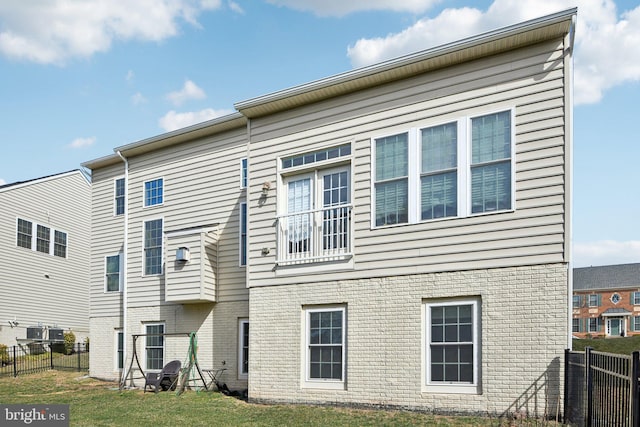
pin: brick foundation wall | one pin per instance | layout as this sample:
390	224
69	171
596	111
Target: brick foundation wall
523	335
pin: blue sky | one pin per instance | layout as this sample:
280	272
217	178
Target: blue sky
79	77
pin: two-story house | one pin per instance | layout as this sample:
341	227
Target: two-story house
44	247
397	235
606	300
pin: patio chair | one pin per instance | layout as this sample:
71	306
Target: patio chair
165	379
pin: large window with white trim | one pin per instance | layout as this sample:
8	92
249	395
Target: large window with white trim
43	238
153	247
457	168
325	330
154	346
452	353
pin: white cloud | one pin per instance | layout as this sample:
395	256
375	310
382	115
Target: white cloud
82	142
607	51
130	75
2	181
606	252
342	7
174	120
236	7
53	31
137	99
189	91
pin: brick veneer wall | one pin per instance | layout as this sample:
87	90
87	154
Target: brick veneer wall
216	327
524	316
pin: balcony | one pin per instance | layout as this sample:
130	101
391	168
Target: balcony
320	235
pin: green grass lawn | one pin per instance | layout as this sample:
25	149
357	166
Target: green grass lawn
625	345
98	403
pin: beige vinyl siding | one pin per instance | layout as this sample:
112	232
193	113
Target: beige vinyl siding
531	81
201	188
107	239
191	281
39	288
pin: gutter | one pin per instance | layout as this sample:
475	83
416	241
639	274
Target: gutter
125	372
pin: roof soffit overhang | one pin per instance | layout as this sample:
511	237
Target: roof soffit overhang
549	27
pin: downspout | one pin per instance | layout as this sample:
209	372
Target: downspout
124	269
569	189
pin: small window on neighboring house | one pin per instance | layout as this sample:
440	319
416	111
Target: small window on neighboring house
243	173
491	162
153	192
635	298
243	348
43	239
243	234
154	346
25	233
119	196
594	300
593	324
452	353
325	345
575	325
120	349
576	301
392	180
153	247
112	273
636	324
60	244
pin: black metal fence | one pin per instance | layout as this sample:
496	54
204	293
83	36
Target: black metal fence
602	389
41	356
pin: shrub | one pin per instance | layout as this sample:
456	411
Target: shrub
4	354
69	342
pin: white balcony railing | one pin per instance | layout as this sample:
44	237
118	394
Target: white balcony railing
315	236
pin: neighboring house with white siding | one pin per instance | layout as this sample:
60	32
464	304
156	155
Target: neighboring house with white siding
45	227
405	228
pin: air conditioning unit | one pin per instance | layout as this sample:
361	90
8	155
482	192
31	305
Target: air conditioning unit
182	254
56	334
34	333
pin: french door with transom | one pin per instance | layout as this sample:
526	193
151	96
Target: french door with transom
316	224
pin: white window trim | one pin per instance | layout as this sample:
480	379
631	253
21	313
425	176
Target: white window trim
34	238
589	300
144	260
117	332
246	235
241	324
328	384
120	273
144	193
633	295
573	322
463	168
244	173
453	388
144	345
312	170
115	214
589	330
